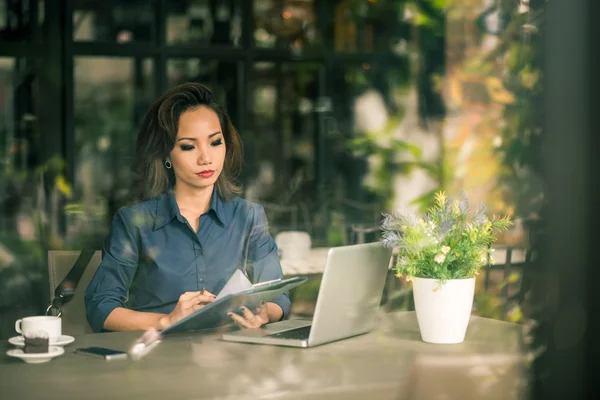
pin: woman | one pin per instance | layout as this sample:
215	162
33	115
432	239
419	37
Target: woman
166	255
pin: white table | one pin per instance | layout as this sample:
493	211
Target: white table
389	363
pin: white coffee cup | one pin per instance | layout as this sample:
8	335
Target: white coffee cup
50	324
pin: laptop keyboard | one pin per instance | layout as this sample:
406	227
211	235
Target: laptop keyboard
298	333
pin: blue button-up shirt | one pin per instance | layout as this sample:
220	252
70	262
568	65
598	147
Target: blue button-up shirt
152	255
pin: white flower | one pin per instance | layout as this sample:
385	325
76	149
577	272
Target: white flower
439	258
445	249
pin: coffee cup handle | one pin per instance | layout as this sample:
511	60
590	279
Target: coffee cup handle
18	326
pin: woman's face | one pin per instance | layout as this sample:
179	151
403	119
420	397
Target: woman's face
199	151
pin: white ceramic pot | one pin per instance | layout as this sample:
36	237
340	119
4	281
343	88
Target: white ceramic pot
443	310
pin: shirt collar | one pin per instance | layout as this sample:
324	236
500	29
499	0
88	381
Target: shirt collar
167	209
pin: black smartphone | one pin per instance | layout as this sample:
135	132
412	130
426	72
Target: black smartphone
101	352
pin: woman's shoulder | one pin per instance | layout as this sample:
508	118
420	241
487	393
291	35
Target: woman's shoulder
245	206
144	210
246	212
142	206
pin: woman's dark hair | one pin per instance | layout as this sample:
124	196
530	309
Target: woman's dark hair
157	134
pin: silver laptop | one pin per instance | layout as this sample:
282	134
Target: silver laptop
349	297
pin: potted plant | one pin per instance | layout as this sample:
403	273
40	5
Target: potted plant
441	254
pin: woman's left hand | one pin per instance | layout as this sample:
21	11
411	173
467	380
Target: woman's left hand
250	319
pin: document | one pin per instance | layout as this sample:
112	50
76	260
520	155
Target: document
239	283
237	292
236	284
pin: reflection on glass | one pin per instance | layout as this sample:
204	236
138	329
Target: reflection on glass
113	21
369	25
375	119
21	20
24	223
20	144
283	107
284	24
111	97
205	22
220	77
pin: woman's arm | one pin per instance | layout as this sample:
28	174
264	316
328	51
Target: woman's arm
109	288
263	261
122	319
274	312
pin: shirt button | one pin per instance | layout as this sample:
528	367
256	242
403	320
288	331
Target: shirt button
201	280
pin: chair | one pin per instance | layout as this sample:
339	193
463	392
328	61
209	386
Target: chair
370	212
74	321
518	259
361	232
360	222
286	217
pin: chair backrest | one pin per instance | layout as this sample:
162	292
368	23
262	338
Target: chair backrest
512	275
281	215
74	321
369	212
363	233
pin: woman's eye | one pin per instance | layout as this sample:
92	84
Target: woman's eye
186	147
217	142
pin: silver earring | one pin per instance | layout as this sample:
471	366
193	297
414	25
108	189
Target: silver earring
168	164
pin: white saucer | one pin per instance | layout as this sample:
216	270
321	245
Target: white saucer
62	340
36	358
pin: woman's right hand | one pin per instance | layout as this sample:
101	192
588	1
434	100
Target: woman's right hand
187	304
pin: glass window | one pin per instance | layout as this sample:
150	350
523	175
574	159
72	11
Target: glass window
20	143
369	106
364	148
25	225
113	21
205	22
111	97
283	106
366	26
285	24
21	20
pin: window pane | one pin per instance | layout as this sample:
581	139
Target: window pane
284	24
370	25
111	97
25	226
20	141
280	148
205	22
21	20
369	152
113	21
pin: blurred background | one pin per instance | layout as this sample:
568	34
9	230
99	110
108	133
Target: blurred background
347	109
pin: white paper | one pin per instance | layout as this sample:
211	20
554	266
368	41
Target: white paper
236	284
